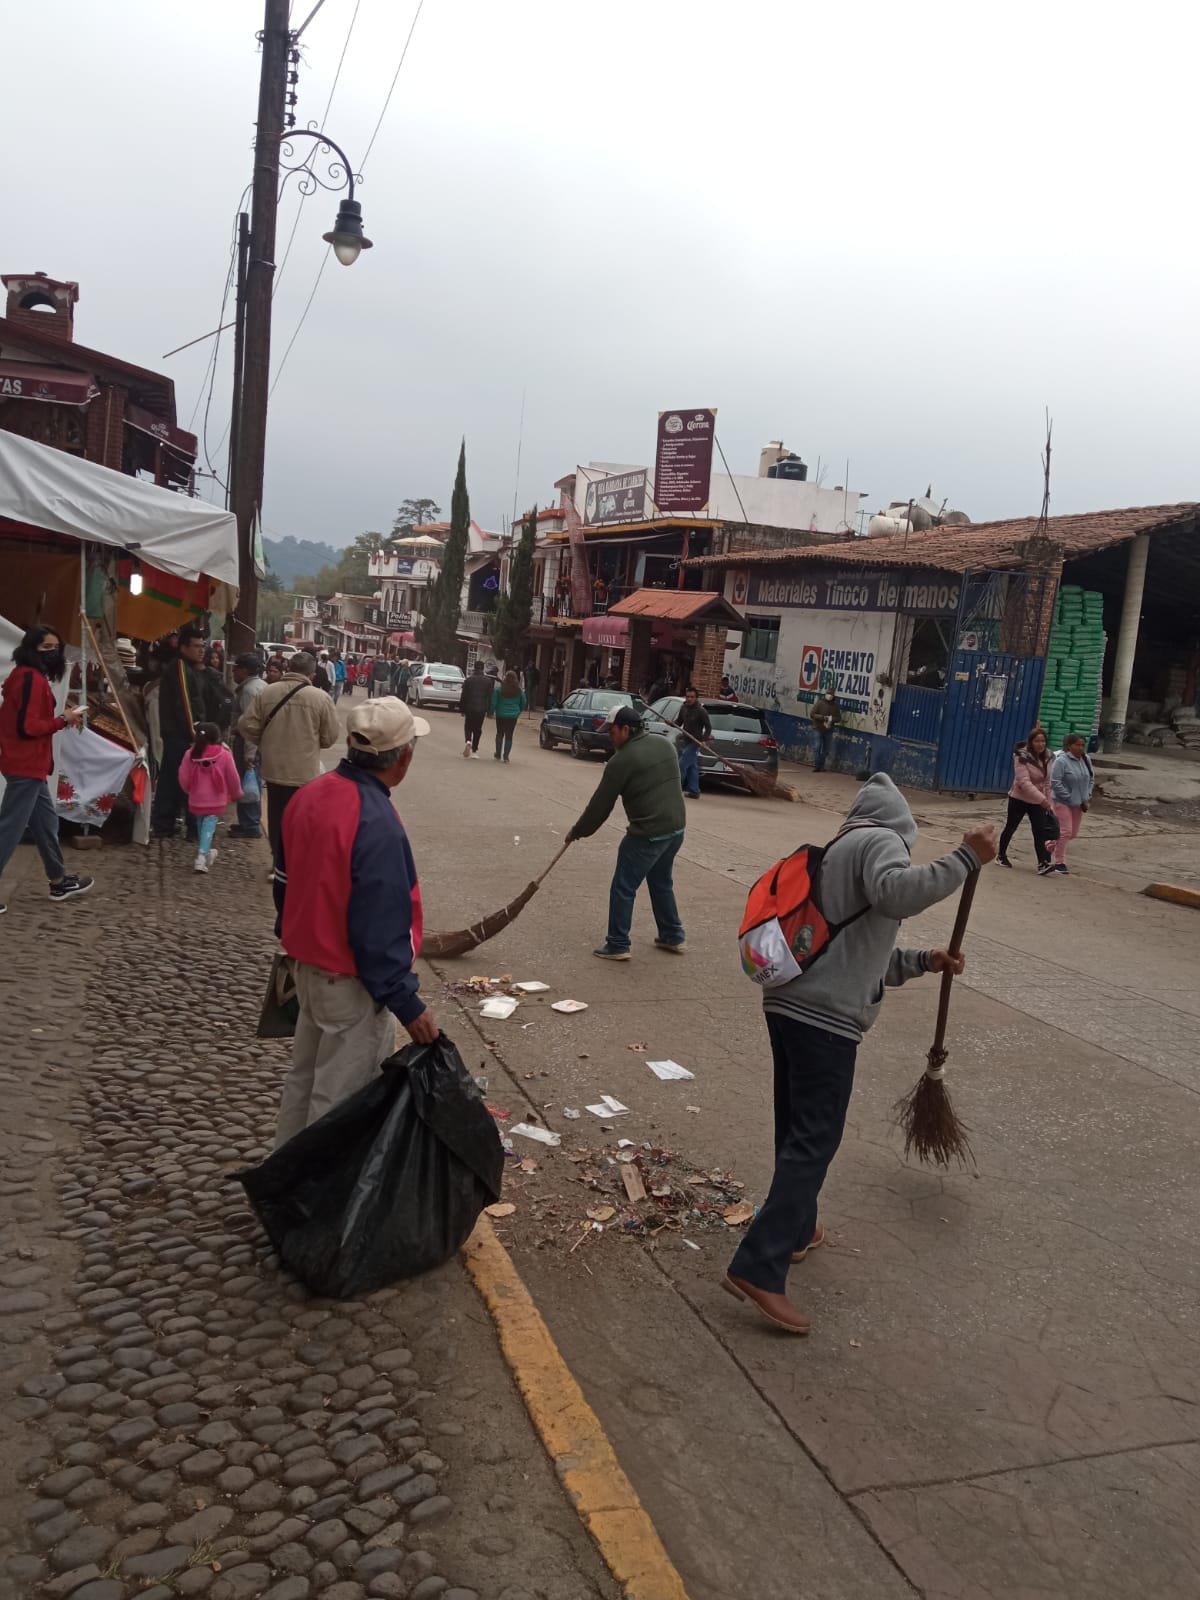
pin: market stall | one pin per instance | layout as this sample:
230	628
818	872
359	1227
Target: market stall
61	521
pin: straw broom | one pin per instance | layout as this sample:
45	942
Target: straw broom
465	939
929	1122
759	783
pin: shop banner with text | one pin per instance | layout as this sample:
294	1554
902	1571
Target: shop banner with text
683	459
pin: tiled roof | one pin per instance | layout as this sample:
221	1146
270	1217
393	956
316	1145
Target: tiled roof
967	546
678	605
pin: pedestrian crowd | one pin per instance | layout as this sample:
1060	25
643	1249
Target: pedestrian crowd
348	900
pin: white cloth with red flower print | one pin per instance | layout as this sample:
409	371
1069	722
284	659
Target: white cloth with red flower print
89	773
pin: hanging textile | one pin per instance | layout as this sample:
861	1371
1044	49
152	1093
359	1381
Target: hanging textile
89	774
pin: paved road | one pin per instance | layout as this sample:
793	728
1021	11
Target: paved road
999	1396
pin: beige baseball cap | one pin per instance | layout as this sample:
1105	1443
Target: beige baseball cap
384	723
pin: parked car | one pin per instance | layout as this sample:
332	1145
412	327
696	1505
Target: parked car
740	733
582	721
437	684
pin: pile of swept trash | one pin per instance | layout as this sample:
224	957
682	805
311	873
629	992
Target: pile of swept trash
642	1190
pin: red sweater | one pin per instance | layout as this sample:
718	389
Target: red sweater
28	722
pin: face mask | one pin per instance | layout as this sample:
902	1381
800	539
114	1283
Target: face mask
51	662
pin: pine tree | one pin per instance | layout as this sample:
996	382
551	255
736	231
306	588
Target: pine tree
514	610
442	605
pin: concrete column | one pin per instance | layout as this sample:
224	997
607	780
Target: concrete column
1113	729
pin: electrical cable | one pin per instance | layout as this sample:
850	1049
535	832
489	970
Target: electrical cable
308	164
370	145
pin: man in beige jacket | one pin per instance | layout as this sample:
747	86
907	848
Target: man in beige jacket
291	722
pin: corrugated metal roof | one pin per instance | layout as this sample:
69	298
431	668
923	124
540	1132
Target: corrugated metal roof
969	546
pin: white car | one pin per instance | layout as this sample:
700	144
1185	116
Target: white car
437	684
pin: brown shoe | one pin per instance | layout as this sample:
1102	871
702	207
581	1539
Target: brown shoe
674	949
815	1243
777	1308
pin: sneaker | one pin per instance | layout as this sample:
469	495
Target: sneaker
1062	867
201	864
66	888
243	833
474	755
467	751
495	758
1003	861
3	908
212	855
505	760
607	953
674	949
1045	868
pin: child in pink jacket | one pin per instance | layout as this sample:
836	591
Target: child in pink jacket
1030	796
208	776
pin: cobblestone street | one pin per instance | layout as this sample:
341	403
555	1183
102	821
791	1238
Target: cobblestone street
180	1420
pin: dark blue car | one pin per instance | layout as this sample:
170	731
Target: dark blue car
582	721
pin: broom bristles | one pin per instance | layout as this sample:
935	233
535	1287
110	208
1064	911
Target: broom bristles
931	1126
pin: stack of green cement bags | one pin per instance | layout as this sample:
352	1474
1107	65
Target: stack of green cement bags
1074	663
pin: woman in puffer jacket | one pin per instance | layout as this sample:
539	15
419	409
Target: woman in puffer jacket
1030	796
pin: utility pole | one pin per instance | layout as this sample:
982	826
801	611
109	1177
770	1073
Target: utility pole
250	438
239	354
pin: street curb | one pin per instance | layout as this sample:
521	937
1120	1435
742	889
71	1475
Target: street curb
583	1458
1175	893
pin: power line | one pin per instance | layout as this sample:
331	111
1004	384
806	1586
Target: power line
370	145
308	164
395	76
211	367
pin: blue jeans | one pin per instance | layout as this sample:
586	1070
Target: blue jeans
504	737
689	767
249	809
646	861
822	739
27	804
814	1075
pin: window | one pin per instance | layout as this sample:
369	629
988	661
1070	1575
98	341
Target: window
760	642
928	660
739	719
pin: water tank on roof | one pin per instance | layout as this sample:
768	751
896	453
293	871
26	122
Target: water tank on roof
791	467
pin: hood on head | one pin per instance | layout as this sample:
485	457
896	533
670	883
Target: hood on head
881	805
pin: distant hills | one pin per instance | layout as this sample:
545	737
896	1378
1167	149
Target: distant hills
291	558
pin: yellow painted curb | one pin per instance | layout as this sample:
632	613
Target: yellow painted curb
583	1458
1173	892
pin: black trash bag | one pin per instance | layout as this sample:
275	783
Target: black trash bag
389	1183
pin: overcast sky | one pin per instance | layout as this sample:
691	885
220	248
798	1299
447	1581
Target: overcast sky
889	234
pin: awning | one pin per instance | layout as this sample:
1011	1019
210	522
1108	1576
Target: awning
50	489
21	380
146	422
612	633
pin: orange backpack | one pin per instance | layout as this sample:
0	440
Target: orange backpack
783	928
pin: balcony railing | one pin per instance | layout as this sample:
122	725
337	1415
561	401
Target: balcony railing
474	622
547	608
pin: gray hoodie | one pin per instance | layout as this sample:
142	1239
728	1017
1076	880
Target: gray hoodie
869	863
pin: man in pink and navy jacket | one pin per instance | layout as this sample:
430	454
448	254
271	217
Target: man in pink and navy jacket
350	916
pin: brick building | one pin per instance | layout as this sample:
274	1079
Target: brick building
63	394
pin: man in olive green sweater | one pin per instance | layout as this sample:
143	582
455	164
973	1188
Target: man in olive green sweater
643	774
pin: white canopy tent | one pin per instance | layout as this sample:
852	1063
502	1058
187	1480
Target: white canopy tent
50	489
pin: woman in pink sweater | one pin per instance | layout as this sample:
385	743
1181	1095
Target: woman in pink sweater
1030	796
208	776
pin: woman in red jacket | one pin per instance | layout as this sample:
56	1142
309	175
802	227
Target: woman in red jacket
28	723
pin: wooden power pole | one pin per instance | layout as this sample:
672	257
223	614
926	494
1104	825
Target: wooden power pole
250	436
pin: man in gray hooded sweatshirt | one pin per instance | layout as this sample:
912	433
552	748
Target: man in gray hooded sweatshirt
817	1021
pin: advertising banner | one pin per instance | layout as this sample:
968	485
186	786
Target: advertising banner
683	459
843	651
621	498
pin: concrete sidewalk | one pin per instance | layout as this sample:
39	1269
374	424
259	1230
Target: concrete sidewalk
999	1397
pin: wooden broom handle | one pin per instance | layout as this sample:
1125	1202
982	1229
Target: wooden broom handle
955	948
699	743
542	876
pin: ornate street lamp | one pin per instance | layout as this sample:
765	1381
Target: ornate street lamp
346	236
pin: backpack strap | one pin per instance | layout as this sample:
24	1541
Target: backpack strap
278	707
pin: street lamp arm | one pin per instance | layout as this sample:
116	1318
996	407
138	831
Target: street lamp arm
339	174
